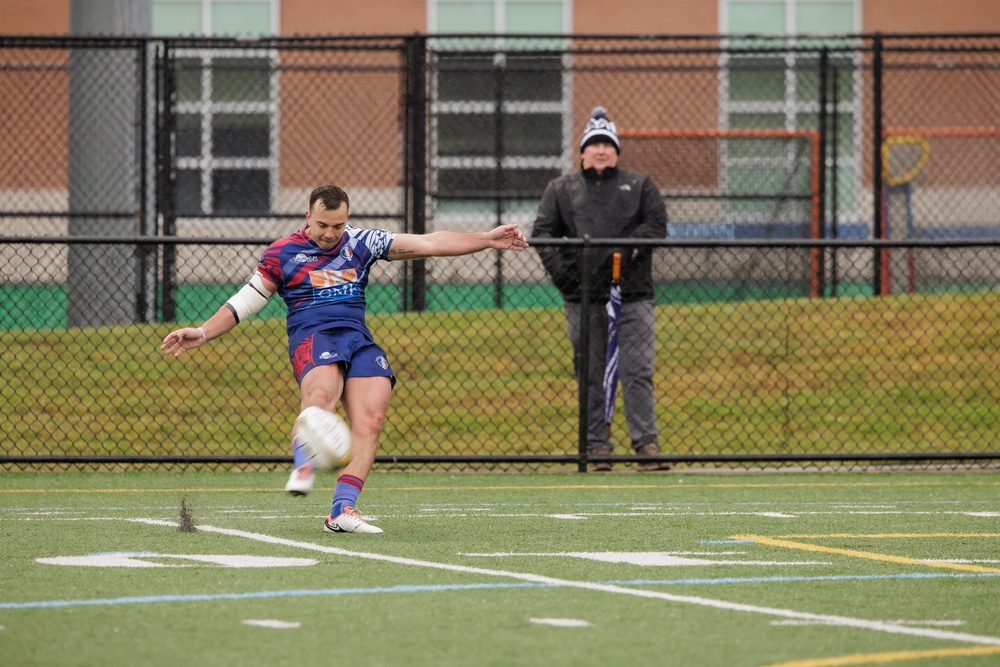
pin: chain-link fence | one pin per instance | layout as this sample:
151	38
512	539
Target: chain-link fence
827	291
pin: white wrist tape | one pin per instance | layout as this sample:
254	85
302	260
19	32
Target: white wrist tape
249	300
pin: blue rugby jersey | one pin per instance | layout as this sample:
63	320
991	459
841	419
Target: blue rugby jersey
324	289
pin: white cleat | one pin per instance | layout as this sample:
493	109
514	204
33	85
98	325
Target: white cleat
301	481
349	521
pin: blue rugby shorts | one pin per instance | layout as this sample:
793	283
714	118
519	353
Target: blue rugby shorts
357	352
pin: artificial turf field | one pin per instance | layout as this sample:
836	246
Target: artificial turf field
683	568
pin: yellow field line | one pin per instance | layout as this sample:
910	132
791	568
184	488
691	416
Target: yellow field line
889	656
869	555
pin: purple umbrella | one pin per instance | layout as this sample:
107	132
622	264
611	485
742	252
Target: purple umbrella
614	309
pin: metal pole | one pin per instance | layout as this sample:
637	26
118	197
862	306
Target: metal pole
418	175
168	182
834	186
881	255
583	352
144	253
824	64
498	181
105	159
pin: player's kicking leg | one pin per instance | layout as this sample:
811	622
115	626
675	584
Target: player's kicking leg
366	400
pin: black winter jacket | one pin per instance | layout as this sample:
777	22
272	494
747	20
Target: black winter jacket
616	204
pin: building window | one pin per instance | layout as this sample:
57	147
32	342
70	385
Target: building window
781	90
227	109
500	106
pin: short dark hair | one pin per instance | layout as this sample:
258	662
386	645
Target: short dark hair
331	196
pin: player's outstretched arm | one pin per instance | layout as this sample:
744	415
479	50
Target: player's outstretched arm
249	300
179	341
448	243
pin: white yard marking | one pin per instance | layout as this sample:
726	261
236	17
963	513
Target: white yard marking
268	623
918	623
140	560
505	554
452	509
561	622
929	622
653	558
845	621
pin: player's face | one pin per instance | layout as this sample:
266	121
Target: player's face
323	227
599	155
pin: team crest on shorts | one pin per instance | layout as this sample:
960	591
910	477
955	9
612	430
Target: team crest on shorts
383	362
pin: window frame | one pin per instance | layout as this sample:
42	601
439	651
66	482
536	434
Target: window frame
849	207
483	211
207	163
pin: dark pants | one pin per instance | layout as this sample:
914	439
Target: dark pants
636	330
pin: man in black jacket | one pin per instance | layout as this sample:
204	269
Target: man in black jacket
602	201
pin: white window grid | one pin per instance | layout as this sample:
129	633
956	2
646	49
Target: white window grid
790	107
206	161
438	108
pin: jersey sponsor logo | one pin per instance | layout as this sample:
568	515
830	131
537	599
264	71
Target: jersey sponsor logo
324	278
302	258
329	355
626	187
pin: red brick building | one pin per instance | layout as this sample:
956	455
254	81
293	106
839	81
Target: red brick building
281	180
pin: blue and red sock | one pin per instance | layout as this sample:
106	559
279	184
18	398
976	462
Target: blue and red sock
346	493
299	455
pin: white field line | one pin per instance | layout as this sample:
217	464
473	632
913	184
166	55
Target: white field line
846	621
939	623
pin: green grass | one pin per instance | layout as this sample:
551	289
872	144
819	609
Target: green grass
358	606
794	376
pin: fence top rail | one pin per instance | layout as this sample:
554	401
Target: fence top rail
888	41
581	242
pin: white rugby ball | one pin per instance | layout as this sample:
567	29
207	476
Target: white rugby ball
325	436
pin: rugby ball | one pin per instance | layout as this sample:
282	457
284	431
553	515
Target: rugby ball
325	437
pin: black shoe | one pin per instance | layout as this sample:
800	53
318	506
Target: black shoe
650	449
600	466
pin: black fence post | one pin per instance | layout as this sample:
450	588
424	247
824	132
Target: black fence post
167	176
499	84
834	185
145	254
824	65
416	174
582	361
878	231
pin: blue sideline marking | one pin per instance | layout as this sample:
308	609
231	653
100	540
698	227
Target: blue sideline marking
152	599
